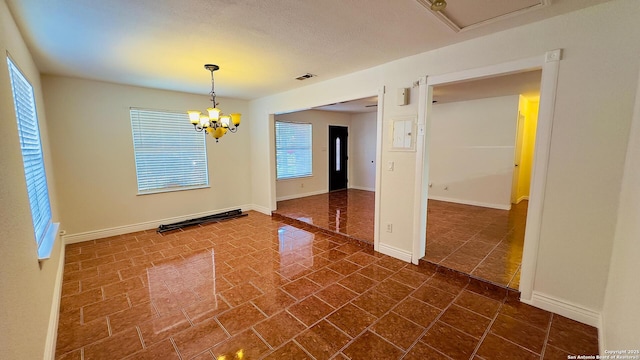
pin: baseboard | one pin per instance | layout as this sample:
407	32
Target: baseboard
566	309
295	196
602	346
261	209
54	316
126	229
526	197
395	252
362	188
470	202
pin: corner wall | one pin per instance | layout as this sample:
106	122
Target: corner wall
27	289
621	314
362	141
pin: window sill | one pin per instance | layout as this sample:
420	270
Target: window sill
294	177
46	246
172	189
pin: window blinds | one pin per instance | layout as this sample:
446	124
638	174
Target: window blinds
28	131
293	150
169	154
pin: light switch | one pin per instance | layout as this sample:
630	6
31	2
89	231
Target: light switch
390	166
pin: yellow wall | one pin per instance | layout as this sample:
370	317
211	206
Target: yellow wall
529	109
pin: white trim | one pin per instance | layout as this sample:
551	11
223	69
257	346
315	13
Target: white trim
54	315
567	309
395	252
511	67
362	188
548	89
378	184
423	137
147	225
301	195
525	197
471	202
261	209
601	338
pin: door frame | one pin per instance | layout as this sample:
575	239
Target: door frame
549	62
348	169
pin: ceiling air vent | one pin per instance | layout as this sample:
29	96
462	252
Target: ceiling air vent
305	76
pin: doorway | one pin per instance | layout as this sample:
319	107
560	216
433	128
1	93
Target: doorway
338	157
549	63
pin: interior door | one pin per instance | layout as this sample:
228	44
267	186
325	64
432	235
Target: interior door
517	157
338	157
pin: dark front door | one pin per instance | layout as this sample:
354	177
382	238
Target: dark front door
338	157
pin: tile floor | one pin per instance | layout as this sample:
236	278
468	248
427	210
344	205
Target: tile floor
256	288
486	243
347	212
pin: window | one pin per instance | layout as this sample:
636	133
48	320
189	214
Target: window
293	150
33	160
169	154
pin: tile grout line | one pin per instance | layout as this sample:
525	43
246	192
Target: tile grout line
546	338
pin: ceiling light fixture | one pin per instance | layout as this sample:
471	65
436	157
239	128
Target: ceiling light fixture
438	5
215	123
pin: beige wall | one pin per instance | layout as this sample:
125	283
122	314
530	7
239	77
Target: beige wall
92	146
318	182
26	288
595	96
471	152
362	140
621	315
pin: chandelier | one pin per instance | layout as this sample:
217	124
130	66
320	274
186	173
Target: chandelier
216	124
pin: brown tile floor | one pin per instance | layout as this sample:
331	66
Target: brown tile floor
483	242
255	288
486	243
348	212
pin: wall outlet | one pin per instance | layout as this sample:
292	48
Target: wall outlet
389	228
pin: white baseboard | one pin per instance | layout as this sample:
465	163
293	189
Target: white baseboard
295	196
126	229
601	339
362	188
261	209
52	331
395	252
566	309
471	202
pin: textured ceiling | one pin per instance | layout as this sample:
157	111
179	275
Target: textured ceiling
261	46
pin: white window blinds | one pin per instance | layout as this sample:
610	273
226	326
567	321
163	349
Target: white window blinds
169	154
28	131
293	150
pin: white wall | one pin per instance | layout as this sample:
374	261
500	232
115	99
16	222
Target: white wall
27	289
594	103
362	140
471	152
318	183
621	315
92	146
